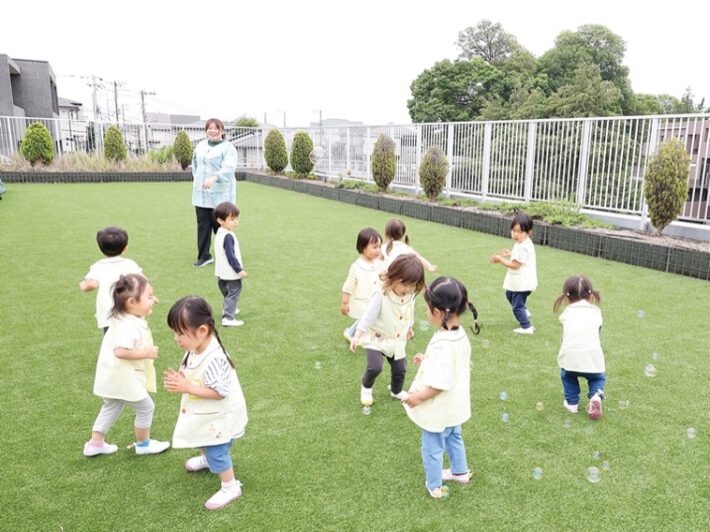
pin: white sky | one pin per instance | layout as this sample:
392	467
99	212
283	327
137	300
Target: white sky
352	59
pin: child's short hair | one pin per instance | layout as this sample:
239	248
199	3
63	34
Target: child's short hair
226	210
407	269
112	241
524	221
366	237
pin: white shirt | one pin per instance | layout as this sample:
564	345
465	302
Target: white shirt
398	248
106	272
581	348
523	279
362	283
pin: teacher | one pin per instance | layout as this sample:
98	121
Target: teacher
213	164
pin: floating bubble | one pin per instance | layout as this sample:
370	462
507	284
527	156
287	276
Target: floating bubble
318	365
593	475
424	325
568	423
597	455
539	406
537	473
503	395
444	491
623	404
640	314
650	370
605	465
654	356
505	417
316	155
485	344
691	433
366	410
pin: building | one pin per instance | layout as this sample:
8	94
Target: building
27	88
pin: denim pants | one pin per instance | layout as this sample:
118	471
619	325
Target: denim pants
218	457
206	225
231	290
570	384
517	301
434	444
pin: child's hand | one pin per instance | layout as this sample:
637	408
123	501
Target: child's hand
493	259
354	343
242	274
504	252
151	351
433	268
410	333
175	381
344	308
418	359
87	285
412	400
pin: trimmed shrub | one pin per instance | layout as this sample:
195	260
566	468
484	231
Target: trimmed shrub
666	183
182	149
432	172
275	152
246	121
37	144
301	154
114	146
161	156
383	162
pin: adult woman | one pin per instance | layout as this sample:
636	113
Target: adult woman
213	164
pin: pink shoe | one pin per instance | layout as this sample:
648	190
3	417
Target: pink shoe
196	463
461	478
223	497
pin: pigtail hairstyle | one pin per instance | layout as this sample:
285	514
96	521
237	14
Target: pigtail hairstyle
395	230
575	289
188	314
407	269
450	296
128	286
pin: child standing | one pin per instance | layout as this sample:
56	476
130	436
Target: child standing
125	372
212	409
439	399
113	242
386	325
363	278
395	231
581	353
228	264
521	277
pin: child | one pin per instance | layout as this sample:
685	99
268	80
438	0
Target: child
212	409
521	277
228	263
113	242
363	278
386	325
395	231
581	353
439	399
125	372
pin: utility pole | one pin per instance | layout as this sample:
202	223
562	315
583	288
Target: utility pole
93	97
143	95
115	98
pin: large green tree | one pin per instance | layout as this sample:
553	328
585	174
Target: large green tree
587	94
486	40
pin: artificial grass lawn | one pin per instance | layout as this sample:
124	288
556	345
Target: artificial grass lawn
310	458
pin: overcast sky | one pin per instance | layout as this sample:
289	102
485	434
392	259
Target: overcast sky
348	59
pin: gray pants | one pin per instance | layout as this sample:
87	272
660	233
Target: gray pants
231	291
398	370
112	408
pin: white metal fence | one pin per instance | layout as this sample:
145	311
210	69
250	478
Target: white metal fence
597	163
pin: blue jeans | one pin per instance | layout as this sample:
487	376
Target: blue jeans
218	457
570	384
517	301
434	444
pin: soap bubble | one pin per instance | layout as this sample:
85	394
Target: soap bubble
640	314
318	365
366	410
485	344
605	465
444	491
424	325
503	395
568	423
316	155
623	404
654	356
539	406
691	433
505	417
597	455
650	370
537	473
593	475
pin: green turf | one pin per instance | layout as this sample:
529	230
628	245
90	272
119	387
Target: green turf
310	458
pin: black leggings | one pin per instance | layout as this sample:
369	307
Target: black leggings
206	225
374	368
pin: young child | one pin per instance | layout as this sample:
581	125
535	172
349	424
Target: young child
521	277
386	325
363	278
124	371
395	231
228	264
213	412
113	242
581	353
439	399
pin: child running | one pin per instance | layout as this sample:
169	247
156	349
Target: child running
439	399
581	353
125	372
363	278
521	277
213	412
386	325
228	264
113	242
395	231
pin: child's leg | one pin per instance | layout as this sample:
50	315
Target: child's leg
398	369
144	410
109	413
455	450
433	457
373	367
518	300
596	383
231	294
220	462
570	385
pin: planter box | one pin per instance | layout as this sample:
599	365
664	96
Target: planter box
539	233
330	193
371	201
446	215
633	252
416	209
286	183
301	186
486	223
94	177
690	262
393	205
347	196
576	240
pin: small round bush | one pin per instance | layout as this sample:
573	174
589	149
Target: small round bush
666	183
301	154
182	149
432	172
383	162
37	144
275	152
114	146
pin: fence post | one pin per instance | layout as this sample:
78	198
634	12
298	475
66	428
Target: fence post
417	158
530	161
487	130
368	157
450	157
347	152
58	136
583	161
330	156
652	143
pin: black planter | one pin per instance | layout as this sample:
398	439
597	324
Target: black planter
330	193
347	196
365	199
446	215
393	205
576	240
634	252
416	209
690	262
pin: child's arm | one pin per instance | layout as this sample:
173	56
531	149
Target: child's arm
348	288
414	399
175	382
370	314
232	256
87	285
501	258
345	304
136	353
428	265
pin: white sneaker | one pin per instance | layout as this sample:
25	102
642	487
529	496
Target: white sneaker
366	396
436	493
461	478
224	496
571	408
93	450
520	330
197	463
402	395
226	322
153	447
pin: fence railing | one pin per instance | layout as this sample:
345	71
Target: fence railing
596	163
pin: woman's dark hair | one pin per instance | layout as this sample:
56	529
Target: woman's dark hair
226	210
575	289
128	286
112	241
407	269
217	122
450	296
366	237
190	313
395	230
524	221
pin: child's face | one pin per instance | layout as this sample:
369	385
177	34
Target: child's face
517	234
195	340
372	251
144	306
403	289
230	223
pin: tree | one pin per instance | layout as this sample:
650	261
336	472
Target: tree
182	149
383	161
301	154
246	121
114	146
586	95
666	183
486	40
432	172
37	145
647	104
275	152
